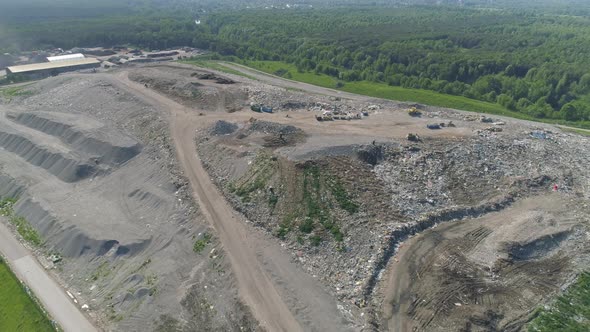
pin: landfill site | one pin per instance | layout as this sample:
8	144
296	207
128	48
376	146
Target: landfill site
175	198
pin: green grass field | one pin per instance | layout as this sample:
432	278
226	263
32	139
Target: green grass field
18	312
569	313
382	90
583	132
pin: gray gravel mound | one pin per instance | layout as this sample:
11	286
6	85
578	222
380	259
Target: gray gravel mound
66	167
82	133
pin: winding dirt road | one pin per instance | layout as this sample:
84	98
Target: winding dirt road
290	84
280	295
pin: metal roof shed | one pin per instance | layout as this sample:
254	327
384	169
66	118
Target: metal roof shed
53	68
65	57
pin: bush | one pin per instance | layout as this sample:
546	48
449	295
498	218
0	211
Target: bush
307	226
315	240
202	243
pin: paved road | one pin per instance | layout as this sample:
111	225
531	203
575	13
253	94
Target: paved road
51	295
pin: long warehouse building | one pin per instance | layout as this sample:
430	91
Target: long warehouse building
53	68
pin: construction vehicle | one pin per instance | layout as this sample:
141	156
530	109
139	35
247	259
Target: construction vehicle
325	116
256	108
413	111
433	126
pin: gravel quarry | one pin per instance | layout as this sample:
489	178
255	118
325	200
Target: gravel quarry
172	206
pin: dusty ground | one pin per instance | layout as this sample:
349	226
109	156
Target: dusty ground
94	169
476	169
307	216
487	273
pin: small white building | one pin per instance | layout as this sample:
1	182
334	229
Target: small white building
66	57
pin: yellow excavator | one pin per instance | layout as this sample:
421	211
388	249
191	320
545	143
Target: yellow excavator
413	111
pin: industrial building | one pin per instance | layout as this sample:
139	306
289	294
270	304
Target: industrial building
65	57
37	70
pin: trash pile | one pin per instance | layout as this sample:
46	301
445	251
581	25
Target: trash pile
223	128
467	171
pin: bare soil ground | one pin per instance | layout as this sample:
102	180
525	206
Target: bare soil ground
487	273
95	172
122	172
279	305
480	167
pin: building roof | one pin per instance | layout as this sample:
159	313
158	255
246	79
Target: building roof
65	57
52	65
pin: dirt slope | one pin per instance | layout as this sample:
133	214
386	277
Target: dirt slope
484	274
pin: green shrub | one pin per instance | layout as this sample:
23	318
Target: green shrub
202	243
307	226
315	240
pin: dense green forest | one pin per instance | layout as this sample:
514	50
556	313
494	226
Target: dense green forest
531	63
528	59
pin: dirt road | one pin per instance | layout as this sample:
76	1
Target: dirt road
51	295
286	83
281	296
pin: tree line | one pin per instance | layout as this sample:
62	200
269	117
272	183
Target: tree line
531	63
